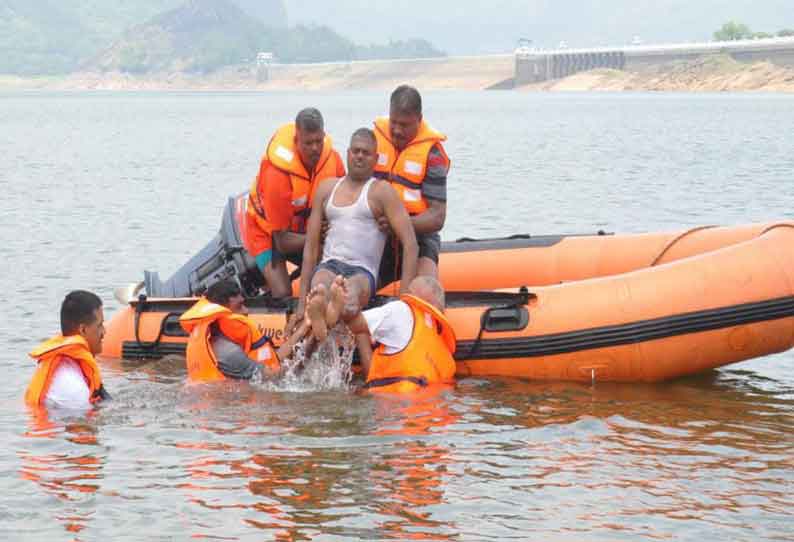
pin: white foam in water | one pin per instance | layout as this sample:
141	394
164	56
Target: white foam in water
328	368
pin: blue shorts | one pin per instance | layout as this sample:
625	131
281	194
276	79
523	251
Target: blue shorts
346	270
271	254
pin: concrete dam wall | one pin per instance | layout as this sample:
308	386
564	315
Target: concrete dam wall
535	65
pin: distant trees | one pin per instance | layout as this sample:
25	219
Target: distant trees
732	31
412	48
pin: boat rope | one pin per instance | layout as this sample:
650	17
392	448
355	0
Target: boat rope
675	240
778	225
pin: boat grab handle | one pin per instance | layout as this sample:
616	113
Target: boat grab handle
139	308
512	317
505	319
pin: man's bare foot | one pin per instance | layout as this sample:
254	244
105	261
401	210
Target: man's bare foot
337	301
315	311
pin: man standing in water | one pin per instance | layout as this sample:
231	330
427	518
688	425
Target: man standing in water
67	374
298	158
354	244
412	158
225	343
415	340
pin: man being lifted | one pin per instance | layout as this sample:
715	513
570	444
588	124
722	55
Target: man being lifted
354	244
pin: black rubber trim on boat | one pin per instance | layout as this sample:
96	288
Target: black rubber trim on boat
150	350
635	332
521	240
573	341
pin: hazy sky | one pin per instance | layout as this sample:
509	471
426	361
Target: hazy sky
474	26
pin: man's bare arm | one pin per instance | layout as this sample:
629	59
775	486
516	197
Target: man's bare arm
400	224
311	249
432	220
359	328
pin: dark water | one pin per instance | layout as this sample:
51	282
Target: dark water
95	187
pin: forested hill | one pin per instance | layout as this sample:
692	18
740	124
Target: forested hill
52	36
56	36
59	36
198	36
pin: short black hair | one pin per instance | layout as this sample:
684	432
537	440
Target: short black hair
365	133
309	120
407	100
222	291
78	309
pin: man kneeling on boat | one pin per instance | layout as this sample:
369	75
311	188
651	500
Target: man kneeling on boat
67	374
415	341
225	343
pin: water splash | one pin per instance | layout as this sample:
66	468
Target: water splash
329	367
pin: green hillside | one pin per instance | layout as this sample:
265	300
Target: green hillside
44	37
56	36
204	35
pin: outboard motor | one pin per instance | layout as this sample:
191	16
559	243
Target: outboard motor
222	258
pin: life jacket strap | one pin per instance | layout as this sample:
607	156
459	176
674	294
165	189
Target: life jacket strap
388	381
262	342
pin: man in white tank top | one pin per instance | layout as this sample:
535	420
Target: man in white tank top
353	244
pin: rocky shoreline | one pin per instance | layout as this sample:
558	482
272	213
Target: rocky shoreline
718	73
708	74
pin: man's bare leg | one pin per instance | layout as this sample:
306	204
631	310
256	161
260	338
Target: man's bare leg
320	285
277	278
336	301
357	297
315	311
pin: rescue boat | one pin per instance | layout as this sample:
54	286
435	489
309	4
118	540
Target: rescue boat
601	307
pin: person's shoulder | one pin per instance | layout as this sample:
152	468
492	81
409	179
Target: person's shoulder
381	187
402	311
324	189
327	185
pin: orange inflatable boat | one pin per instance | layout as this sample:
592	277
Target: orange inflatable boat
644	307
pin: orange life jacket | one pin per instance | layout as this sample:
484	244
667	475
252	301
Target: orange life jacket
427	359
406	169
49	354
202	365
282	154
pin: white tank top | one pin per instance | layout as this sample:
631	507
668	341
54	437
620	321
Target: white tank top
353	235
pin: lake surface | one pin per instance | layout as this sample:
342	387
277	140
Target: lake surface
98	186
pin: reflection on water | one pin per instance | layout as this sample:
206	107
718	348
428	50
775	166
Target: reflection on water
565	461
71	477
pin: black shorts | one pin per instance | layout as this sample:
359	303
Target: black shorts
346	270
391	263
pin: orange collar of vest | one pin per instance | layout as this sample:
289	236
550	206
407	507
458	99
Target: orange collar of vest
282	152
237	327
57	344
204	310
425	133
